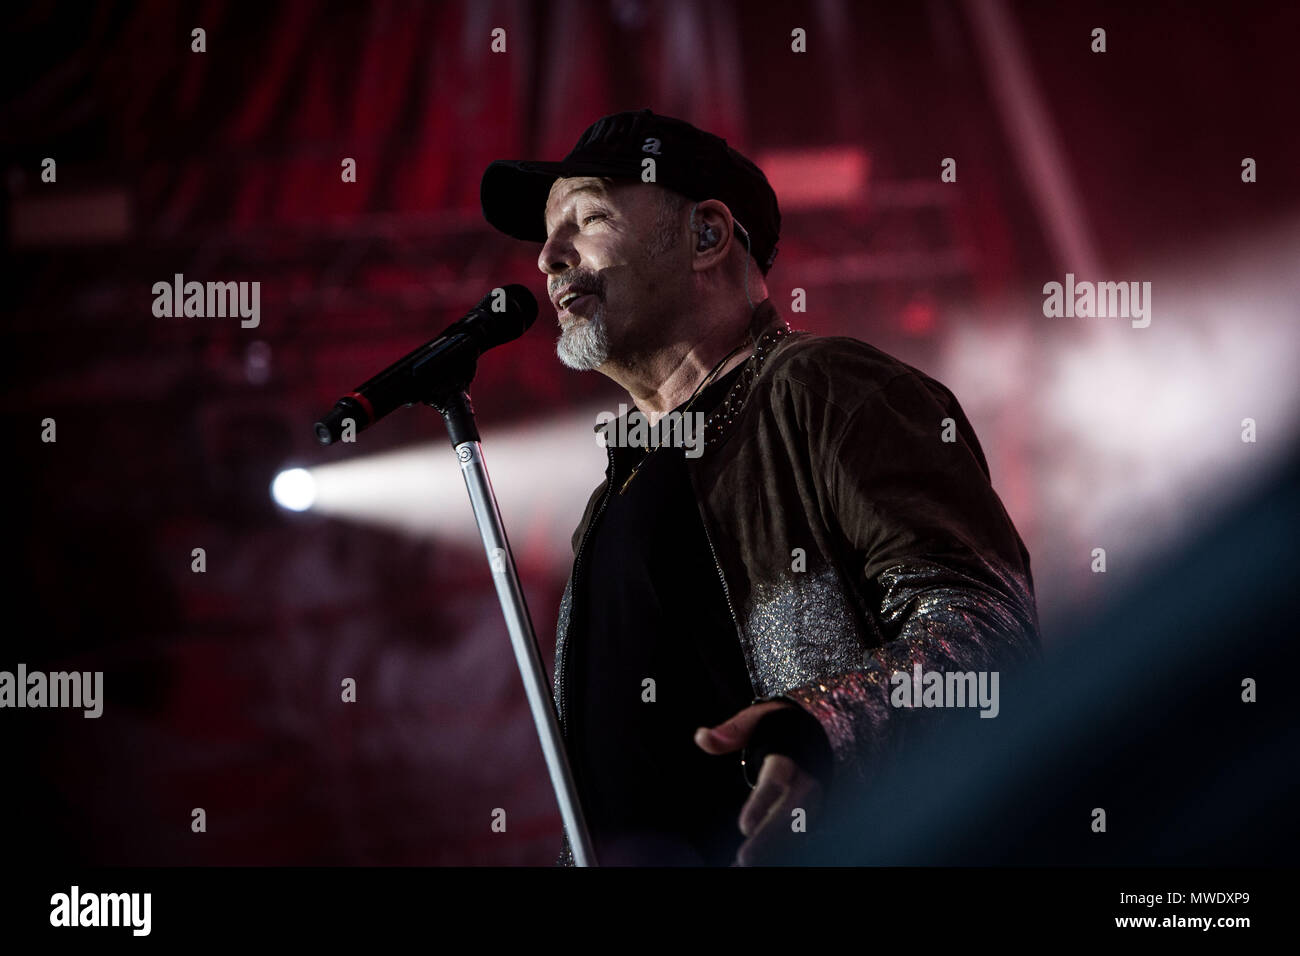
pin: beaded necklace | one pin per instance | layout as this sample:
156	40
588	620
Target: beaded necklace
734	403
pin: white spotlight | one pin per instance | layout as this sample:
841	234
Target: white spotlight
294	489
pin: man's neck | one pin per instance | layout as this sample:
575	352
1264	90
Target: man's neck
669	378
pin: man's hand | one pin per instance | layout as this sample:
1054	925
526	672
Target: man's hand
782	786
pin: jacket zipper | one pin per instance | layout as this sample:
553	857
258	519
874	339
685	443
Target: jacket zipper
573	597
735	622
726	591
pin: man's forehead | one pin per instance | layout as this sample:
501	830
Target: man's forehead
567	186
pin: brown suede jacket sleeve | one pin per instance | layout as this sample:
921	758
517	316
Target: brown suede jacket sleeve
947	579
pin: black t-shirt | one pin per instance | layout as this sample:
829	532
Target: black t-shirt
653	607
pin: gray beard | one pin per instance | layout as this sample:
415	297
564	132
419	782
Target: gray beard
584	345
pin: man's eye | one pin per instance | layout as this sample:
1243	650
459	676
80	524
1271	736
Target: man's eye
594	215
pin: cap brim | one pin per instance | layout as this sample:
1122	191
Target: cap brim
513	192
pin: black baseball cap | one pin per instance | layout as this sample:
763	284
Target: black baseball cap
689	161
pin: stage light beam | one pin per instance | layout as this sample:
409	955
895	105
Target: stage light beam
294	489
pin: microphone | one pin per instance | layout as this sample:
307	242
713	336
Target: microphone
502	316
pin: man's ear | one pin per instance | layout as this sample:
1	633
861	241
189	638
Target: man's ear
713	232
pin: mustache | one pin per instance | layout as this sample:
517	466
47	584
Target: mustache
583	280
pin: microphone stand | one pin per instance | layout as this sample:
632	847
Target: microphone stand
452	401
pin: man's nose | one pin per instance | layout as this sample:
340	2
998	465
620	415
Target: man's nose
557	255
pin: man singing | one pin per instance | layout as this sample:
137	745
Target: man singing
741	597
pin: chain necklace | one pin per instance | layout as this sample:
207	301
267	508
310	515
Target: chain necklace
694	395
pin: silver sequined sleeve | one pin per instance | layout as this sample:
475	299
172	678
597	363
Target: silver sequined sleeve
945	621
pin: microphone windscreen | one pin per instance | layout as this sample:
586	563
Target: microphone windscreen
502	316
